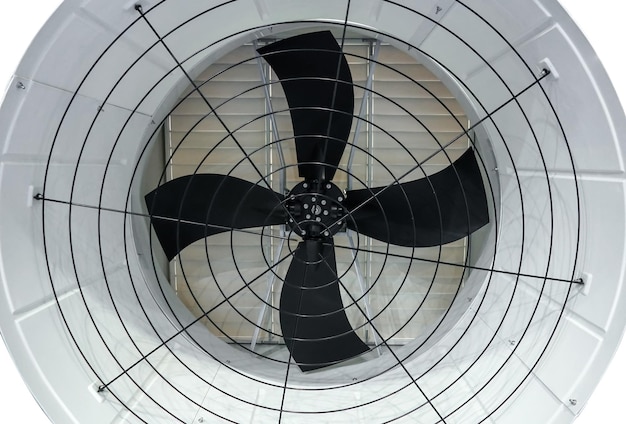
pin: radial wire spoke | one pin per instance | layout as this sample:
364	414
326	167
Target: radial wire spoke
466	132
218	228
195	321
139	9
384	341
474	267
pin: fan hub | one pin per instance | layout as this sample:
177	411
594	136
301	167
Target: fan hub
316	210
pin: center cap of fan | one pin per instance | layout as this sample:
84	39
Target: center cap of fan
316	210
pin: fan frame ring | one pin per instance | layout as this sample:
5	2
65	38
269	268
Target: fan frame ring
557	117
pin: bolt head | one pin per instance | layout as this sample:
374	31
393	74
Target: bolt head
308	216
323	202
340	199
328	186
314	199
306	206
318	219
305	185
326	213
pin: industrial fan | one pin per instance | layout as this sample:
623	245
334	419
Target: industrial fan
489	299
431	211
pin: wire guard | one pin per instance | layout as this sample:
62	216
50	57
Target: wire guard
300	236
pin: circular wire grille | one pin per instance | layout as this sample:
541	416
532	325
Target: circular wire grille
171	369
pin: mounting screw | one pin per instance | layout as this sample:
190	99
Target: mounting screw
20	86
328	186
326	233
326	213
306	206
305	185
547	68
573	402
318	219
313	199
340	199
308	216
323	202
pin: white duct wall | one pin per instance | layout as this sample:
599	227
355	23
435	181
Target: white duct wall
590	157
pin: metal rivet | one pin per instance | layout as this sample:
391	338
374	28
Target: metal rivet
308	216
323	202
340	198
305	185
306	206
328	186
314	199
326	213
326	233
318	219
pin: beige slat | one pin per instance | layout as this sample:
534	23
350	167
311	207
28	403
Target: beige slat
209	139
211	123
402	89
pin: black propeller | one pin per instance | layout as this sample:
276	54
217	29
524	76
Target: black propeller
431	211
317	82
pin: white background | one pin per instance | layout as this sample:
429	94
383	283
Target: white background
601	20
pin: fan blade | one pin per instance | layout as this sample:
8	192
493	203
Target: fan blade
316	79
419	222
314	324
193	207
